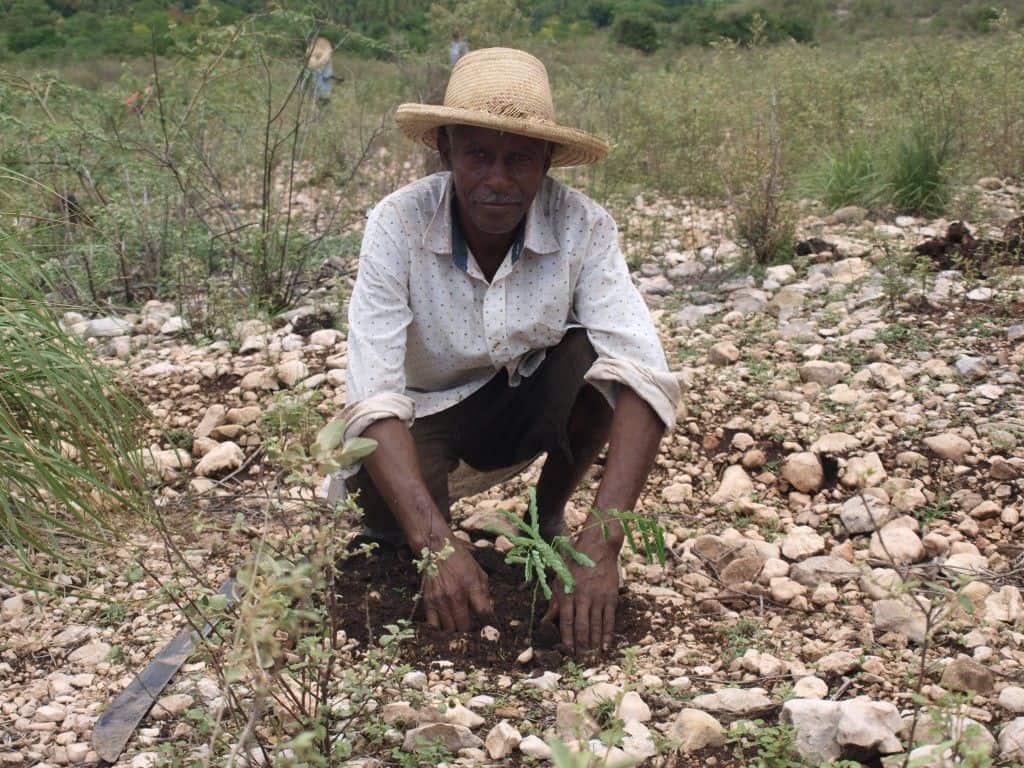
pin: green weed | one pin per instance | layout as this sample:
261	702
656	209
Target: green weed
940	509
738	638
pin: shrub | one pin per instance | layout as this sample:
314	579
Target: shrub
601	13
980	20
757	187
637	32
703	26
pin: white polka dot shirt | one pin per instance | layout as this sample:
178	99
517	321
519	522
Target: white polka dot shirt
426	332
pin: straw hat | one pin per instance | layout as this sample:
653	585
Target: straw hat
319	53
505	90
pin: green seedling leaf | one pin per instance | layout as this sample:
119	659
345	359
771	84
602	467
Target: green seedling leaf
329	438
355	449
218	602
294	454
965	603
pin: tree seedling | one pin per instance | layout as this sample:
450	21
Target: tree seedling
539	557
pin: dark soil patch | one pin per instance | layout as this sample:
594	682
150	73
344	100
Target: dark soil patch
374	592
212	389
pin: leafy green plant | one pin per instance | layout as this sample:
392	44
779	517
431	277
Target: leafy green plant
541	560
427	754
939	509
644	535
766	746
428	561
330	452
637	32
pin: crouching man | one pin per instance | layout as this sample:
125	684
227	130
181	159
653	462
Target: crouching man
493	320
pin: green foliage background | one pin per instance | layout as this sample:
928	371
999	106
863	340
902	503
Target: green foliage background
124	28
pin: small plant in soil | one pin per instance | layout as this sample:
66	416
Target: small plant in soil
540	558
738	638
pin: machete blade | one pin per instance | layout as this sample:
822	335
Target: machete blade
117	723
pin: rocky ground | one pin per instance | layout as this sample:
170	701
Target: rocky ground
841	501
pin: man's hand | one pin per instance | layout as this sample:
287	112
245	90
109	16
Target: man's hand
457	589
586	617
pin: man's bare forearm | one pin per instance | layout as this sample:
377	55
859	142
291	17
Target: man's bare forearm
395	470
636	433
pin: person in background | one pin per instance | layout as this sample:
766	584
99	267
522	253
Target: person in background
322	69
458	49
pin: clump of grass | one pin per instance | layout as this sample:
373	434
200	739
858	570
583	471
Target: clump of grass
920	175
850	176
737	639
66	430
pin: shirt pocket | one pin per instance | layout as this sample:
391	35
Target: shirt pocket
538	303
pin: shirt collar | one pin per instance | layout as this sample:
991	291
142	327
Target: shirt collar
539	237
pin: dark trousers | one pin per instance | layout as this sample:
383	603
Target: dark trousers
497	426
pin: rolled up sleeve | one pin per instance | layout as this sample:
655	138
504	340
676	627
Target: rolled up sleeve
378	318
619	326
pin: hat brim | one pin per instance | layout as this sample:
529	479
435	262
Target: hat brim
572	146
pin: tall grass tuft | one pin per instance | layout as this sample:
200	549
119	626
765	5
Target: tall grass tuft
921	172
66	430
850	176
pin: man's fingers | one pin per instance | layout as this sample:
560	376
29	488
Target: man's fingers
433	619
447	614
552	612
565	621
480	602
582	625
608	624
460	613
596	624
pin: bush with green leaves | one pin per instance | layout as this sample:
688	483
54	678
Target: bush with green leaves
637	32
68	442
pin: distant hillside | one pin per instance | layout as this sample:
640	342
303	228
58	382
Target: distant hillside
126	28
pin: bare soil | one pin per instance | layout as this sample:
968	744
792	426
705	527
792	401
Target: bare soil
380	590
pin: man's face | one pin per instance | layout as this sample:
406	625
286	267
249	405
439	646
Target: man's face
496	175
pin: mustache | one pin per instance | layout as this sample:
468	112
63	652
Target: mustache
493	198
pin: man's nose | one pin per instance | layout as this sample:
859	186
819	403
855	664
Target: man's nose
498	177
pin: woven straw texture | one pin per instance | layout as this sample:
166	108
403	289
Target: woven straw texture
505	90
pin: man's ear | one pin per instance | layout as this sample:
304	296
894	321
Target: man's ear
549	151
444	147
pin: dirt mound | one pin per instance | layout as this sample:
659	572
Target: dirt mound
959	249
